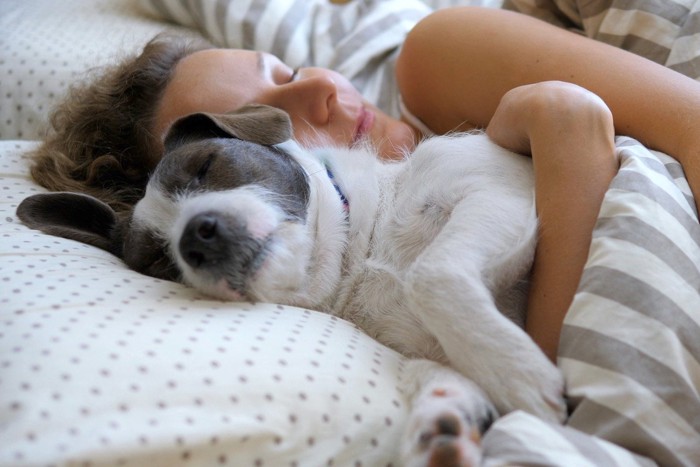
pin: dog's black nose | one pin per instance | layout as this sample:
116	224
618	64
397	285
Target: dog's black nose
219	245
204	240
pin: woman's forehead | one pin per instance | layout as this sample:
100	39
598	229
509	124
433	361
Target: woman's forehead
212	80
216	66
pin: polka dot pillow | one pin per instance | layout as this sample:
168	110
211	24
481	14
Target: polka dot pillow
99	364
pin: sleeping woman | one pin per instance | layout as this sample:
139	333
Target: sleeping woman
536	89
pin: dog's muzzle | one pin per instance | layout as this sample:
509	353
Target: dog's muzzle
222	247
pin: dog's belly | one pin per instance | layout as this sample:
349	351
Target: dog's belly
432	190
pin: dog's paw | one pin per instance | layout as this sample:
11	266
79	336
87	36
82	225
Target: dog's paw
536	388
445	427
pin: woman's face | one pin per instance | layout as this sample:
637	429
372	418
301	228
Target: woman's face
324	106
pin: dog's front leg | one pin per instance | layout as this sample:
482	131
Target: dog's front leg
448	416
448	294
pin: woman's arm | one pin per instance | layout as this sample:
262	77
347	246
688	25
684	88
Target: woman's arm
457	64
569	132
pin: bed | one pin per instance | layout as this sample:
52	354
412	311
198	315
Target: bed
102	366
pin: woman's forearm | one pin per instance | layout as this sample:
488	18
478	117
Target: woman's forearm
569	132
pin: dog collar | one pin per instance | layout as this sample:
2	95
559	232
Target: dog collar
346	204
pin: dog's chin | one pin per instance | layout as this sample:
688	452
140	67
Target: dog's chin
223	291
279	276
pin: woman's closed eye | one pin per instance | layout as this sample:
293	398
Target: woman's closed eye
294	75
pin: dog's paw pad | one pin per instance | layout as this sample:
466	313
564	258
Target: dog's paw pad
451	443
448	453
452	438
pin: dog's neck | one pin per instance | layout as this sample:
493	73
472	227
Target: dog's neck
359	178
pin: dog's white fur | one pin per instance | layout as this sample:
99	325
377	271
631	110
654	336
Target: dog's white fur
430	248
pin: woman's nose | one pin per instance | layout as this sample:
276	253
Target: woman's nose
311	96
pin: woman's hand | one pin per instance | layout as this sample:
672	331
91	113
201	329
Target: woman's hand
569	133
551	113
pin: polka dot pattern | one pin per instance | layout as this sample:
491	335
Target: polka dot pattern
47	46
101	365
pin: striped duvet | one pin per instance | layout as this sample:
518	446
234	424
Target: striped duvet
630	346
665	31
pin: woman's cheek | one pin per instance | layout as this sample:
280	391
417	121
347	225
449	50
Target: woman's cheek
398	140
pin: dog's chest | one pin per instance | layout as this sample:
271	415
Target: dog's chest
413	204
411	209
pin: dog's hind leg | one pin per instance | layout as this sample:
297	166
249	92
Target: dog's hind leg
448	416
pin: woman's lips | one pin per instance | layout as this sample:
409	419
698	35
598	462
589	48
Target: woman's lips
365	121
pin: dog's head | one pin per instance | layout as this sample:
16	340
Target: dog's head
225	210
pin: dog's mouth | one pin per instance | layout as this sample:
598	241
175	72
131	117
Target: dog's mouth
238	280
232	280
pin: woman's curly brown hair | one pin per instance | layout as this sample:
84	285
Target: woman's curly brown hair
100	141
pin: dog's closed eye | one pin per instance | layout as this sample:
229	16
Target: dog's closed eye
204	168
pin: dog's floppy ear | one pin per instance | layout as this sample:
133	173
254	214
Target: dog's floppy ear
71	215
256	123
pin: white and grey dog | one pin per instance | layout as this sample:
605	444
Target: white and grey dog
428	256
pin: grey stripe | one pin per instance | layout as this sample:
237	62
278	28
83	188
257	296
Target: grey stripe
160	6
357	40
587	447
675	170
638	232
637	45
252	18
501	445
221	12
599	350
651	163
645	299
690	24
593	8
289	25
669	11
689	68
387	93
546	11
635	182
591	417
196	9
671	170
337	29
